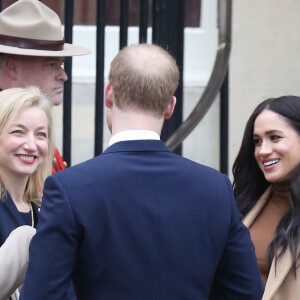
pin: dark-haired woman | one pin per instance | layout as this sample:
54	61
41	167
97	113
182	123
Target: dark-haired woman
267	189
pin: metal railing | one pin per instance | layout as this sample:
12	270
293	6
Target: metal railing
168	32
215	84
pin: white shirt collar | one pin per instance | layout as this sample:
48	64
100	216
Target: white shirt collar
131	135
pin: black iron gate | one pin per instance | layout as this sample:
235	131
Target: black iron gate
168	32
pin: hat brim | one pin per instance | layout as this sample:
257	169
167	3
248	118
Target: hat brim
69	50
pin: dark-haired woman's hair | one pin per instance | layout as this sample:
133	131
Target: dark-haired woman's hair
249	181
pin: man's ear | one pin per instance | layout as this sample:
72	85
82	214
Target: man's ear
108	95
170	108
10	68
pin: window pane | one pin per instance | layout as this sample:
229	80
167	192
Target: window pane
85	11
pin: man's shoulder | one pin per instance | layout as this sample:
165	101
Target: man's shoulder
198	168
80	168
116	156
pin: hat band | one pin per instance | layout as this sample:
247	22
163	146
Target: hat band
31	43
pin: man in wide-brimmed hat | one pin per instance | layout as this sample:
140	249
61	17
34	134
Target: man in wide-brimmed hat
32	51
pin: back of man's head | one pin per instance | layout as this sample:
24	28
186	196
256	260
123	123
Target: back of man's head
144	77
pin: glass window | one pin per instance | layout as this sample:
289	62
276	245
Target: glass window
85	11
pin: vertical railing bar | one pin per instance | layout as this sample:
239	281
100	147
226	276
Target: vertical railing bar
155	18
0	5
157	22
168	32
179	54
144	11
67	98
159	32
154	21
99	98
123	23
224	124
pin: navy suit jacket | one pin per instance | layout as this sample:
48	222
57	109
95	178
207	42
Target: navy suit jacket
10	218
139	222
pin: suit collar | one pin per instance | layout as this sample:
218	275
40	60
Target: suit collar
250	217
137	146
284	263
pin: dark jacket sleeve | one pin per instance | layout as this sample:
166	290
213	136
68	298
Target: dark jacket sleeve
237	276
50	268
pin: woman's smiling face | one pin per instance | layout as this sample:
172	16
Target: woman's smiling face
276	146
24	145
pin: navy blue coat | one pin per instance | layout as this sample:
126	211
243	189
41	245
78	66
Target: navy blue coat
10	218
139	222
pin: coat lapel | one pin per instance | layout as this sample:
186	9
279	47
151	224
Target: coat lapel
12	211
250	217
284	263
283	266
36	212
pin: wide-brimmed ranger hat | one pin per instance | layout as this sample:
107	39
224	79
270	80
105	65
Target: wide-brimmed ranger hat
29	27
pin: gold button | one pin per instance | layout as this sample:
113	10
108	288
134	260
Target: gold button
65	164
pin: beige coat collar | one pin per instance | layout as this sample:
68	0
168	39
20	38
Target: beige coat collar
284	263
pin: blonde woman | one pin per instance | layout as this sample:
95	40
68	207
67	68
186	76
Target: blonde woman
25	156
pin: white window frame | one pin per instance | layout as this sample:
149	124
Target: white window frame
200	46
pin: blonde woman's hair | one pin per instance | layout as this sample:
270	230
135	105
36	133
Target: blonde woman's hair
12	102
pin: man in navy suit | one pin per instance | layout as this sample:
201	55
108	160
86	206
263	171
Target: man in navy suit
139	222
